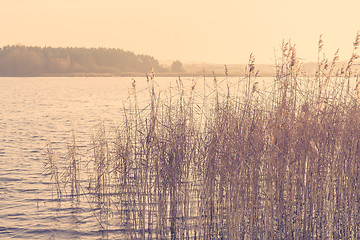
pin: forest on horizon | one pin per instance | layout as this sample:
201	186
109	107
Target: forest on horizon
27	61
49	61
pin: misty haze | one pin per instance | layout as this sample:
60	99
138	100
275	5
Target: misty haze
179	120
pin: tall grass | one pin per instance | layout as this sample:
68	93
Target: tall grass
240	163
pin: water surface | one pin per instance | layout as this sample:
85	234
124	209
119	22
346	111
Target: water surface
34	111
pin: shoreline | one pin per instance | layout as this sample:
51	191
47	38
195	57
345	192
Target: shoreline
137	74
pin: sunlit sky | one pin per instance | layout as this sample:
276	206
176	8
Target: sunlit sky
225	31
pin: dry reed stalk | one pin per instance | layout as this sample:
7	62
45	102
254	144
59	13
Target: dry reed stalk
51	168
248	165
73	170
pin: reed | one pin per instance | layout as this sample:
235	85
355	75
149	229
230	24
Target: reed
73	170
244	163
51	169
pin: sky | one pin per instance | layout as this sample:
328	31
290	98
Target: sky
212	31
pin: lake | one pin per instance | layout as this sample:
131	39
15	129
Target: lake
189	167
34	111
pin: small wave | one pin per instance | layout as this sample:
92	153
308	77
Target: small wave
10	179
28	190
4	230
70	234
15	214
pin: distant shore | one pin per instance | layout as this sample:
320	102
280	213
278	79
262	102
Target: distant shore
136	74
191	70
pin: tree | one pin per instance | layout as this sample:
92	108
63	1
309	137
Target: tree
32	61
177	66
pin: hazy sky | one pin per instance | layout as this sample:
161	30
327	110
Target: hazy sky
221	31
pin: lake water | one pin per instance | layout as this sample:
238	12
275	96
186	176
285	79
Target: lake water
34	111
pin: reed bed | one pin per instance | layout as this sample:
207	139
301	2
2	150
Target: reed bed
228	161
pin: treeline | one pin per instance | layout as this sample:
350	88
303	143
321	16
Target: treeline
39	61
